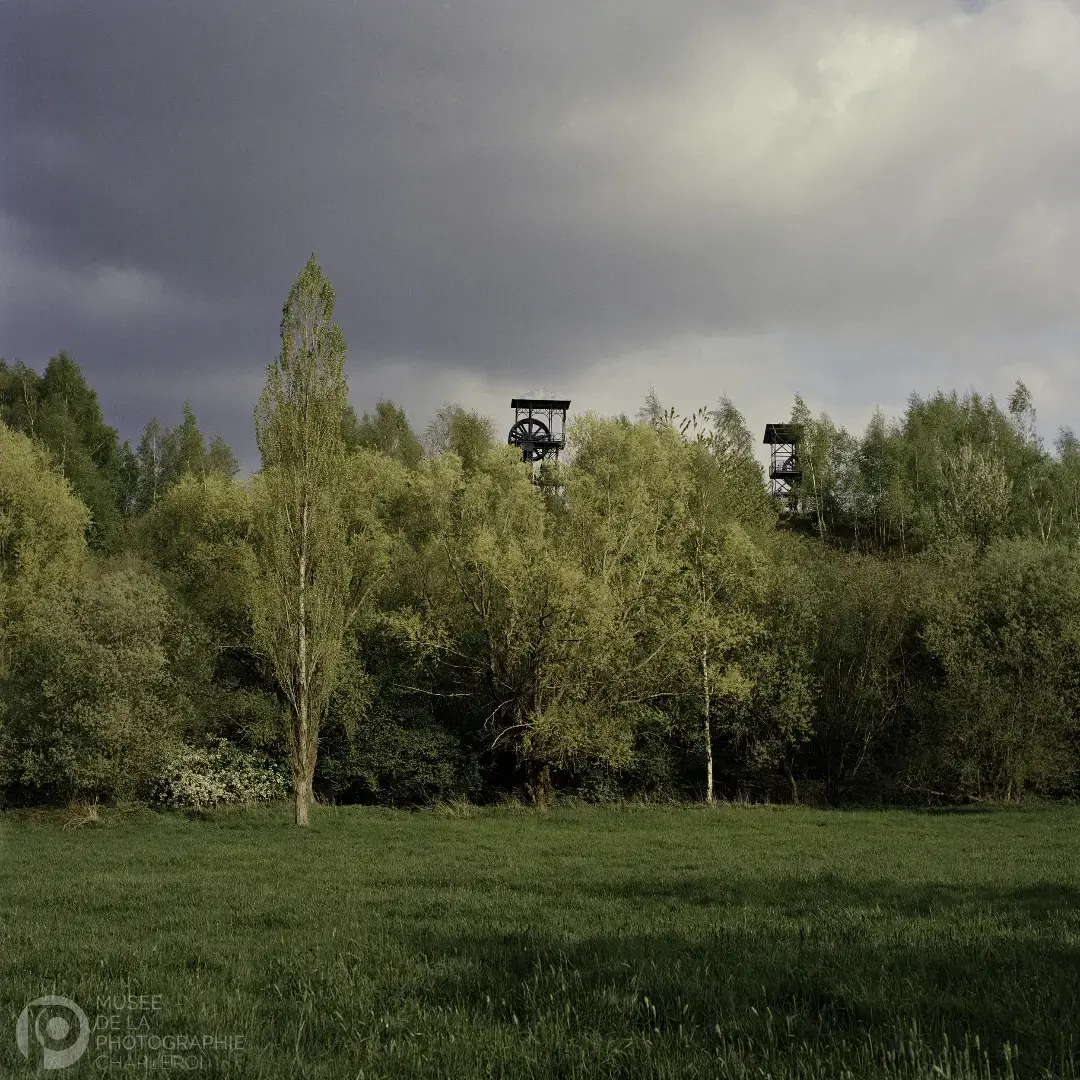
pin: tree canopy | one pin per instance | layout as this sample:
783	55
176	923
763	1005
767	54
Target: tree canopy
403	619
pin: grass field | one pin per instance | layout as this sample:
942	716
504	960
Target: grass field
583	942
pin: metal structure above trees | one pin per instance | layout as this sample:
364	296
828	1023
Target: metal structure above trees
784	469
539	428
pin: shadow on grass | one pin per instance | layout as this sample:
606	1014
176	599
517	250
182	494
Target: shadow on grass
825	983
800	897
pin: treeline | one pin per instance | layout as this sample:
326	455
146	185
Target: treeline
642	621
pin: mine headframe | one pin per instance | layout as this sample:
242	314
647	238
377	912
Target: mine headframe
539	428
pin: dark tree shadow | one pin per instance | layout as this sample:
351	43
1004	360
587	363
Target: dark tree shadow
818	964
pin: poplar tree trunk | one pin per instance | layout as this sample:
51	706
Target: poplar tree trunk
302	787
708	726
302	738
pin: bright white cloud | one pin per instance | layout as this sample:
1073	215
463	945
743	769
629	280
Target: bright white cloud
868	160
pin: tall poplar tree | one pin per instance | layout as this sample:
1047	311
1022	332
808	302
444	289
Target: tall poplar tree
300	603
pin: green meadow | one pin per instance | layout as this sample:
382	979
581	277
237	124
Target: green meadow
581	942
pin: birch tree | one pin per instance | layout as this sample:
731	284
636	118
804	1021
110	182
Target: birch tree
300	603
720	569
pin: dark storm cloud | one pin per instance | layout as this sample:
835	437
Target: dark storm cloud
490	185
214	145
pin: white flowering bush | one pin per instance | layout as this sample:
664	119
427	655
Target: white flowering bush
220	774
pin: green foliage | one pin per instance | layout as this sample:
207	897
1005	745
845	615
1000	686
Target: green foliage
43	525
166	455
60	410
951	468
1061	496
199	538
825	458
764	731
386	430
867	651
199	534
1005	630
301	602
671	516
94	699
637	620
396	758
509	622
465	433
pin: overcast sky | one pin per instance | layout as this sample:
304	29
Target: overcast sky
851	200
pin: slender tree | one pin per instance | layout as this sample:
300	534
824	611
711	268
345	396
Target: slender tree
300	604
220	460
718	565
185	449
150	456
386	430
469	434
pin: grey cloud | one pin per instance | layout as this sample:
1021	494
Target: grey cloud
493	186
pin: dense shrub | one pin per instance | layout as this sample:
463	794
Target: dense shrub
93	700
867	651
219	774
42	524
1004	628
399	756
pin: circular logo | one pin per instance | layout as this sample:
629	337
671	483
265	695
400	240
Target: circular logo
59	1027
